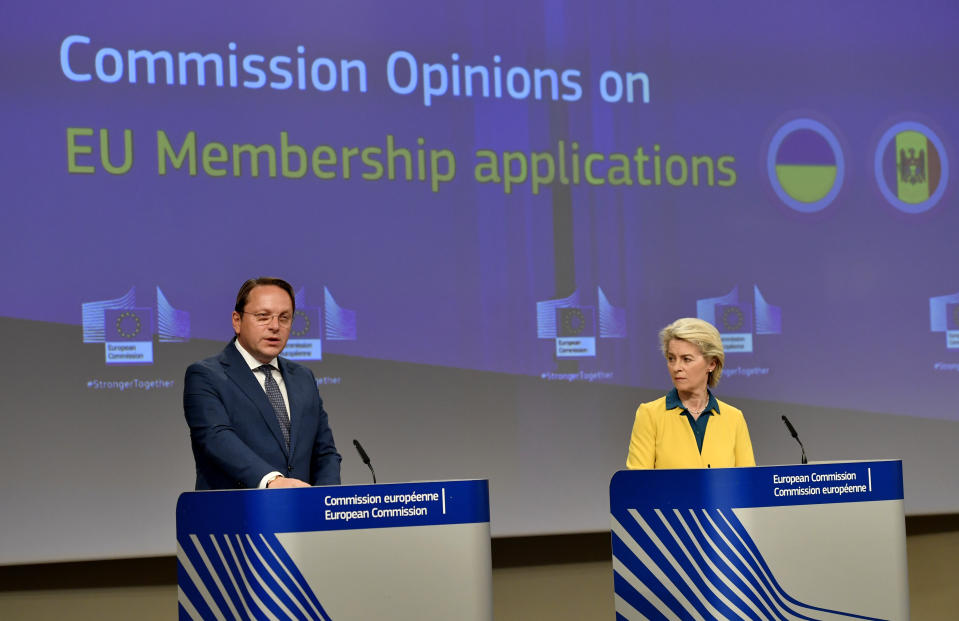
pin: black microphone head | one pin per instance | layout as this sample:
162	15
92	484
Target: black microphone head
789	426
359	449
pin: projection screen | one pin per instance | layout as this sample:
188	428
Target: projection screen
487	211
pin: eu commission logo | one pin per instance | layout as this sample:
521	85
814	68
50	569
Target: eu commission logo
737	321
733	318
314	324
575	332
952	326
128	331
129	336
306	334
573	326
944	317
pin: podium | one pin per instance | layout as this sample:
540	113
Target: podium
819	541
389	551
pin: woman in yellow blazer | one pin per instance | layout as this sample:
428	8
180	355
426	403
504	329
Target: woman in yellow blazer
689	427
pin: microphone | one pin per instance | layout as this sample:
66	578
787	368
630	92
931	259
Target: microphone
792	431
366	458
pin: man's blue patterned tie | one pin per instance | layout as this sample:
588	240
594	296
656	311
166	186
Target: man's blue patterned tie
276	400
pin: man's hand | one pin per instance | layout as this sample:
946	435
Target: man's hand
282	481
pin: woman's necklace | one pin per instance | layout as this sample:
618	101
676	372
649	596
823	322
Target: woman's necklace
696	413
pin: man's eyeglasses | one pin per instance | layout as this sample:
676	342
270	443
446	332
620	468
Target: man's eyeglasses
265	319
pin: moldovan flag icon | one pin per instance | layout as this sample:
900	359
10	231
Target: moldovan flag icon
917	166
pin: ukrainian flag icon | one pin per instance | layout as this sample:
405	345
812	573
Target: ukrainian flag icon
805	165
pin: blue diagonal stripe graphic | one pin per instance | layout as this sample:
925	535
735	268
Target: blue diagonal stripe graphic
699	564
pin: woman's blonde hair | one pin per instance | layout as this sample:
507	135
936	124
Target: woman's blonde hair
703	335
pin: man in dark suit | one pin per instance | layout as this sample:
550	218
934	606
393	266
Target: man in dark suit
257	420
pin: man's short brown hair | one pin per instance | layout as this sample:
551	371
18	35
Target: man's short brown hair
243	295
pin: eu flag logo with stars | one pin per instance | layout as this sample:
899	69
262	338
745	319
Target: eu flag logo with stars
128	335
952	316
306	335
306	324
130	324
733	318
575	321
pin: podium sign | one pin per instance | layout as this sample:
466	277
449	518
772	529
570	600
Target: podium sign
820	541
389	551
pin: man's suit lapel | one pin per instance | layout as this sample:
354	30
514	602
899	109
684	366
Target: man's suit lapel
240	374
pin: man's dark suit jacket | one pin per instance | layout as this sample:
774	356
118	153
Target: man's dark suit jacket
233	428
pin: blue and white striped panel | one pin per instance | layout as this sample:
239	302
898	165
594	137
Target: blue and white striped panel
701	565
242	576
546	314
173	325
612	319
94	329
340	322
